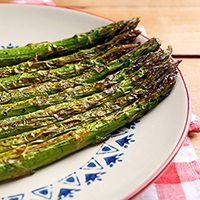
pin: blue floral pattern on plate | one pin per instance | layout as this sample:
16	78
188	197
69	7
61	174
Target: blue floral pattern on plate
91	171
9	46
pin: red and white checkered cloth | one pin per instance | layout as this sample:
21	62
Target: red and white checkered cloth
181	180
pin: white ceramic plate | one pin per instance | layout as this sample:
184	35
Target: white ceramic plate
122	166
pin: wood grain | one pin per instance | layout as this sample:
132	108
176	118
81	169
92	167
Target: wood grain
178	27
127	3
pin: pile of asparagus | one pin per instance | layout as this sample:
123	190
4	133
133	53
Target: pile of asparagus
58	97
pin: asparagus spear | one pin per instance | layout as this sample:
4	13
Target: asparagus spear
74	122
47	88
62	73
154	73
65	46
52	114
23	160
70	94
59	112
80	56
154	76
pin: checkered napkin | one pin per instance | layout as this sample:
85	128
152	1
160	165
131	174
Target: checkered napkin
181	180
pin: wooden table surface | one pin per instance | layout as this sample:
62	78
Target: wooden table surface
175	22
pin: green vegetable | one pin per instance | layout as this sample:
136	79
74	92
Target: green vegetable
59	112
62	73
58	105
96	73
43	50
145	82
80	56
70	94
23	160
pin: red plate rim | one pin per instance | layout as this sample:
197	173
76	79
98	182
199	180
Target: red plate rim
168	161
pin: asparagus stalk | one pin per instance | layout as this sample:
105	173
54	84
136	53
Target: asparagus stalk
23	160
65	46
59	112
70	94
48	88
80	56
62	73
153	77
43	134
52	114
